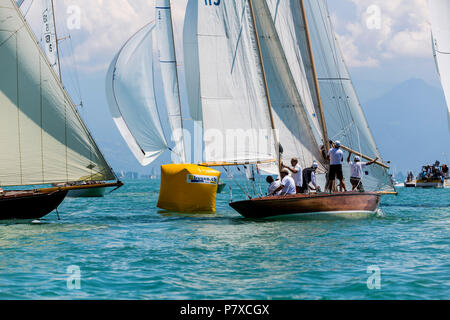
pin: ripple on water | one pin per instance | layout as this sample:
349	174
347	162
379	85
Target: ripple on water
128	249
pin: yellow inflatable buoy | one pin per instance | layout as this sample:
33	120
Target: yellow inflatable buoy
188	188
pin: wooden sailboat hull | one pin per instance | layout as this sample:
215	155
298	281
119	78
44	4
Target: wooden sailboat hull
29	205
333	204
87	193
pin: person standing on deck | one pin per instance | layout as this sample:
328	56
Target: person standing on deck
287	184
336	158
356	169
297	174
273	185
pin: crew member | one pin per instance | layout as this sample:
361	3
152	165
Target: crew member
297	174
356	169
309	179
287	184
336	157
273	185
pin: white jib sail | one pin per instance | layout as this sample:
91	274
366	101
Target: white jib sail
42	138
168	65
291	116
440	23
131	97
234	105
290	27
344	117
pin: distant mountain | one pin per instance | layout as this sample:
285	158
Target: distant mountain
409	124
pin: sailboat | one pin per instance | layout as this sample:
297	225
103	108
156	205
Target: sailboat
259	65
440	25
50	44
44	140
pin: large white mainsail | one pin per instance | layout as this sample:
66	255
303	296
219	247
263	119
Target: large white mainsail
41	134
290	27
440	23
296	133
131	96
230	89
168	65
344	116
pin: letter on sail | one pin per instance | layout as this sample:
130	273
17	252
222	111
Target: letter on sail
131	97
42	138
440	23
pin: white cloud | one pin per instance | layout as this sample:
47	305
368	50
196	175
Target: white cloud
383	30
105	26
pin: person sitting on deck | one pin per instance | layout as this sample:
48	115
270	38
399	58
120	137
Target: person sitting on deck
287	184
297	174
336	157
273	185
356	169
309	179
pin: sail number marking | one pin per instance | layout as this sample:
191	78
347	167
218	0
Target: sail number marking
210	2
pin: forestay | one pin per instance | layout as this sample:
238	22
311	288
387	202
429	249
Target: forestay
344	117
42	138
440	23
168	65
231	90
296	133
131	97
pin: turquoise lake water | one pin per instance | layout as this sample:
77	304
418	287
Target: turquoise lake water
124	248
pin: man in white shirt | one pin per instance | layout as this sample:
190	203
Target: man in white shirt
287	184
336	158
357	168
297	174
273	186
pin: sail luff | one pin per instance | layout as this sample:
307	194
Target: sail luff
169	73
439	16
266	87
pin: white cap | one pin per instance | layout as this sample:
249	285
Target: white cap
337	143
285	171
357	158
315	165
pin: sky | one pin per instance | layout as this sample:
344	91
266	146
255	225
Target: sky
384	43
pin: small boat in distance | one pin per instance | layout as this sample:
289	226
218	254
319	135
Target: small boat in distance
433	176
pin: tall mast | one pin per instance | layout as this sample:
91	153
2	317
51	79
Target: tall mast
178	83
56	40
316	79
266	87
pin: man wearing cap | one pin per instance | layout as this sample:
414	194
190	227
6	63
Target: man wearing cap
309	179
273	185
356	168
336	157
287	184
297	174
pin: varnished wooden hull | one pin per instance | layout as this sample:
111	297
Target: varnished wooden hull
29	205
350	202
